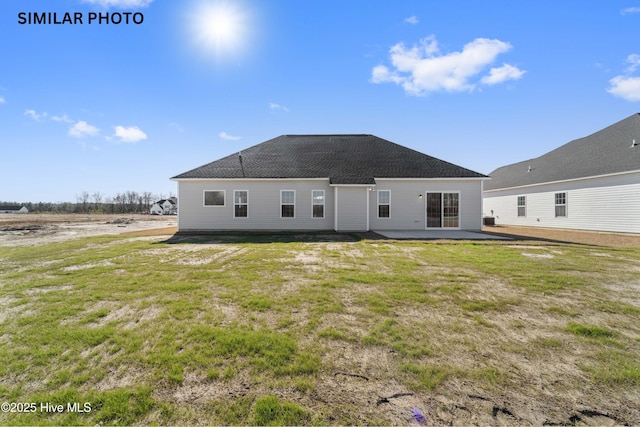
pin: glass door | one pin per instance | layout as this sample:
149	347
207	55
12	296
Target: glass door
443	210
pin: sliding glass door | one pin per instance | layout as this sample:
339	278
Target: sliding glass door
443	210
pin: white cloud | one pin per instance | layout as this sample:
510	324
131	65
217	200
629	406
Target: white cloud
64	119
34	115
82	129
626	86
634	62
412	20
275	107
228	137
176	126
630	10
122	4
502	74
2	100
131	134
422	69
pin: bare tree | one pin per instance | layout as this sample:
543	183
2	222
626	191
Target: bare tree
82	200
97	200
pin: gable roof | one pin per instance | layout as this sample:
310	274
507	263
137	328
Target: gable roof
344	159
607	151
11	207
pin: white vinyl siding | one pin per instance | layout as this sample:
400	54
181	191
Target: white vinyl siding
352	209
357	206
408	199
263	205
610	203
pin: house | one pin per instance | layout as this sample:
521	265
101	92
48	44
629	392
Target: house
165	207
8	209
591	183
329	182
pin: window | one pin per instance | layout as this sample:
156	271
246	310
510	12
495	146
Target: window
317	200
522	205
561	204
240	203
384	202
214	198
443	210
287	203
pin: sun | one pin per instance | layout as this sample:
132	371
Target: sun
220	28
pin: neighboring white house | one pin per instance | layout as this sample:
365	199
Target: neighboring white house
329	182
7	209
591	183
165	207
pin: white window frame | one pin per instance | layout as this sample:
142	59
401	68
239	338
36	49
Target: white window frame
388	204
204	198
555	197
288	204
442	218
518	206
314	204
240	204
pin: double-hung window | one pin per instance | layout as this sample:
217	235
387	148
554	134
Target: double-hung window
384	203
522	205
317	197
287	203
561	204
240	203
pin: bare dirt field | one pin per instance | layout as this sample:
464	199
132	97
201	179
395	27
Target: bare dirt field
595	238
36	229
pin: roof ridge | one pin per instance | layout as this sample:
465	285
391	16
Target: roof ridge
326	134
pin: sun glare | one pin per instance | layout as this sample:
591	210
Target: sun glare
220	28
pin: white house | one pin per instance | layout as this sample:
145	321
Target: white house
591	183
165	207
7	209
329	182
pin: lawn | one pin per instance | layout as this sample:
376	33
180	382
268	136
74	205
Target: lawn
251	331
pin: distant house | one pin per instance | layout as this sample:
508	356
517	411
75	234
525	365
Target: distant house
8	209
329	182
591	183
165	207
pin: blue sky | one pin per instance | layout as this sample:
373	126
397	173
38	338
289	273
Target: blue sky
114	107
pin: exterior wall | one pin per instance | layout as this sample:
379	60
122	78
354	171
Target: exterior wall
263	205
351	214
407	210
610	203
12	211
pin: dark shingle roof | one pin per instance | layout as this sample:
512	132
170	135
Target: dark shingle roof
344	159
607	151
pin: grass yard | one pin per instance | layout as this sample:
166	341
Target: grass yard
141	330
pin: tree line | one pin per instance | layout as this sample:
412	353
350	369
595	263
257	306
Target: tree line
86	203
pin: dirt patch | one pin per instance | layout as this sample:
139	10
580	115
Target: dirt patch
37	229
595	238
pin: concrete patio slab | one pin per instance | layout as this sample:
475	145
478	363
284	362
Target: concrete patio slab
440	234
